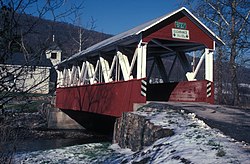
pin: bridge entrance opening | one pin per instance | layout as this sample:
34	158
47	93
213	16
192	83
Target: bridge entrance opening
176	72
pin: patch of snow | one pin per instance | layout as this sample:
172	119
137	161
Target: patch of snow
120	150
244	85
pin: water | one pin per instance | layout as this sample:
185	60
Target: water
94	149
84	153
47	144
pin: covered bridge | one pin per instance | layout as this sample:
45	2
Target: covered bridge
110	76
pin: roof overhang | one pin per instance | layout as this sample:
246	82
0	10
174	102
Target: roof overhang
135	35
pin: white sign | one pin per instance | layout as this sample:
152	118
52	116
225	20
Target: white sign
180	34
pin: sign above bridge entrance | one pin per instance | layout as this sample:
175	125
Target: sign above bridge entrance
180	34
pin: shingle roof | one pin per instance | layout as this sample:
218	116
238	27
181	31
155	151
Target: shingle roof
54	46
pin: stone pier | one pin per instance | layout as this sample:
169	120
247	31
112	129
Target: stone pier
59	120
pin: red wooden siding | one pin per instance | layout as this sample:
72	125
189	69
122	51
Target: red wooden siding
188	91
196	35
108	99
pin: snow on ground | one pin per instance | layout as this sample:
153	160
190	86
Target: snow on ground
193	142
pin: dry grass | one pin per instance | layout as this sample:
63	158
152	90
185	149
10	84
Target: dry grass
8	142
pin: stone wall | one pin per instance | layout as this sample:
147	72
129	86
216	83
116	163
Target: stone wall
135	131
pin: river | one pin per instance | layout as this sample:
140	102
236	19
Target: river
59	151
39	145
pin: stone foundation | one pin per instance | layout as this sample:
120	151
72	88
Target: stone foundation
135	131
59	120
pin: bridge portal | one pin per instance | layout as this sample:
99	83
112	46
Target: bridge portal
150	62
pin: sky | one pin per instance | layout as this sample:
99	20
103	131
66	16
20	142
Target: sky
111	16
116	16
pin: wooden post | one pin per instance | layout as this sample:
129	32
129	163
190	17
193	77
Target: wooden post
141	60
209	65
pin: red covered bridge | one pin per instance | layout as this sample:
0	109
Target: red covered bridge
109	77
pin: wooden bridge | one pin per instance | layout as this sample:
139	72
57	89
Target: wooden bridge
110	76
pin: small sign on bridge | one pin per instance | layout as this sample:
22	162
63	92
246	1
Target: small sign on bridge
181	25
180	34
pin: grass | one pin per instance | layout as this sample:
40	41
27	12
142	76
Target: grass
27	102
220	153
30	107
214	144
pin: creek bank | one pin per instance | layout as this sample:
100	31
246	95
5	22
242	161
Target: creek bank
21	131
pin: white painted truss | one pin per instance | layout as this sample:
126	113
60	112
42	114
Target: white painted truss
104	71
120	68
208	57
191	75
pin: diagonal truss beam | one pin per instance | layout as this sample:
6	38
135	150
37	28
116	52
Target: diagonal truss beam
87	73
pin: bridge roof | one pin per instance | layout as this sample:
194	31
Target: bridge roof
134	35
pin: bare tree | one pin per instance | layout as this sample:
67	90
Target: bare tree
230	20
83	34
15	27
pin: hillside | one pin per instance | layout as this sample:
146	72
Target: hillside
38	34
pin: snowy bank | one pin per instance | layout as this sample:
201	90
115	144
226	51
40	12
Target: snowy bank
193	141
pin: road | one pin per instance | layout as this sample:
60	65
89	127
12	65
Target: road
232	121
